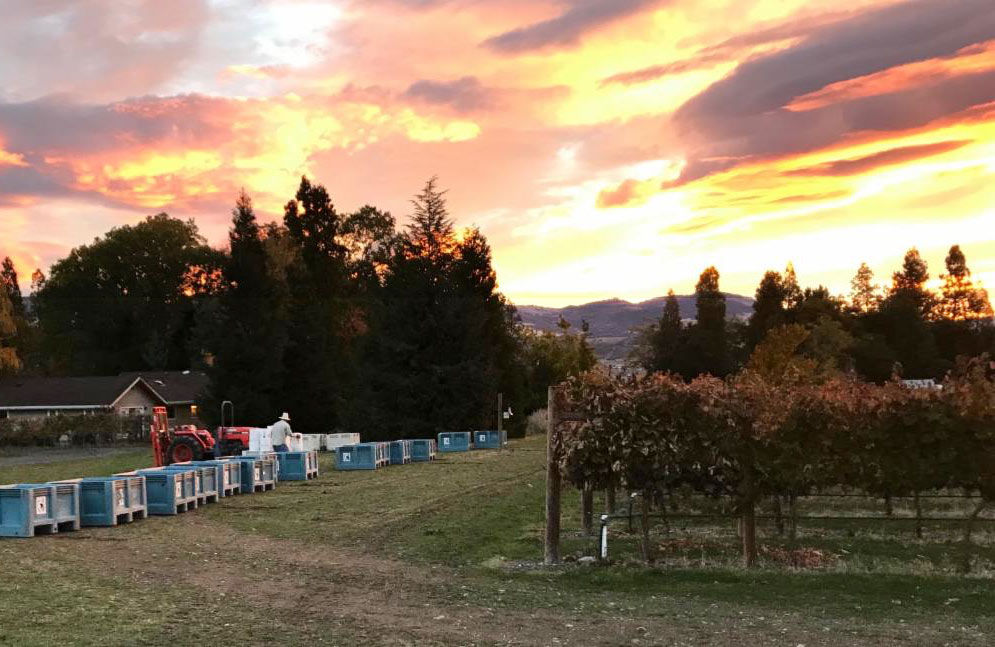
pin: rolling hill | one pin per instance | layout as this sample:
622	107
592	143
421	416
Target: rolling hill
611	321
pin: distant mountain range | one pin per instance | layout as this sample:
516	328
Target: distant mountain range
612	321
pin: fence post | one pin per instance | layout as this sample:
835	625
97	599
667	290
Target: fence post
552	536
587	509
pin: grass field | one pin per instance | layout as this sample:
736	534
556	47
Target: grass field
447	554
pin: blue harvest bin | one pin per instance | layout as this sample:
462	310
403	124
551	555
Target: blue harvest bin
170	492
422	450
364	456
258	473
400	452
110	500
454	441
228	474
294	465
207	481
30	508
272	456
492	439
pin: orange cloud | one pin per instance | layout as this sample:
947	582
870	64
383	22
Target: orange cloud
630	193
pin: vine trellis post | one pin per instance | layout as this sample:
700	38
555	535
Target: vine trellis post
554	481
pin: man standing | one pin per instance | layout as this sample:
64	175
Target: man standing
280	432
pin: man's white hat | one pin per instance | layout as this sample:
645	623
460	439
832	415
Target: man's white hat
285	416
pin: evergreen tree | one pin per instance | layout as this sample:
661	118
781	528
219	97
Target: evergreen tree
666	337
706	350
431	229
792	292
247	336
910	283
443	343
864	293
768	308
961	299
321	311
900	327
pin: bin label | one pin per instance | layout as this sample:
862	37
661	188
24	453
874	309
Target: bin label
120	498
179	489
41	506
257	474
483	437
445	441
346	457
225	472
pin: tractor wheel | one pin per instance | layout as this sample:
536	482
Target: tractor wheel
184	449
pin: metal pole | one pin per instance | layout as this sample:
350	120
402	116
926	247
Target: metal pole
603	539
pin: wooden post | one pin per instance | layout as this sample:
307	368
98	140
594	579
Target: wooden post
793	516
749	535
552	536
647	549
610	499
966	548
587	509
500	414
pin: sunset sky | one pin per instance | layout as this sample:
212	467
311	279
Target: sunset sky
607	148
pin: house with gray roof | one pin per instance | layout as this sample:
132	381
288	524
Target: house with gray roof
32	397
125	394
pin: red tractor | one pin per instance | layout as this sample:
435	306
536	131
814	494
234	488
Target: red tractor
187	443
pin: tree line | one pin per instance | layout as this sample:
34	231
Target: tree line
347	320
906	329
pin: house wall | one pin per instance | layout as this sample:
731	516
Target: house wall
183	414
136	401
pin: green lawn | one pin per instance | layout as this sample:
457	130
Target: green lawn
448	553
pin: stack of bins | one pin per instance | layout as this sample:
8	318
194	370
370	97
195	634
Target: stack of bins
311	442
491	439
169	492
357	457
258	473
110	500
331	442
207	481
454	441
294	466
271	455
29	508
227	474
422	450
400	452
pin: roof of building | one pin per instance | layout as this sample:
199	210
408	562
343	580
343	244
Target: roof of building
68	392
176	387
